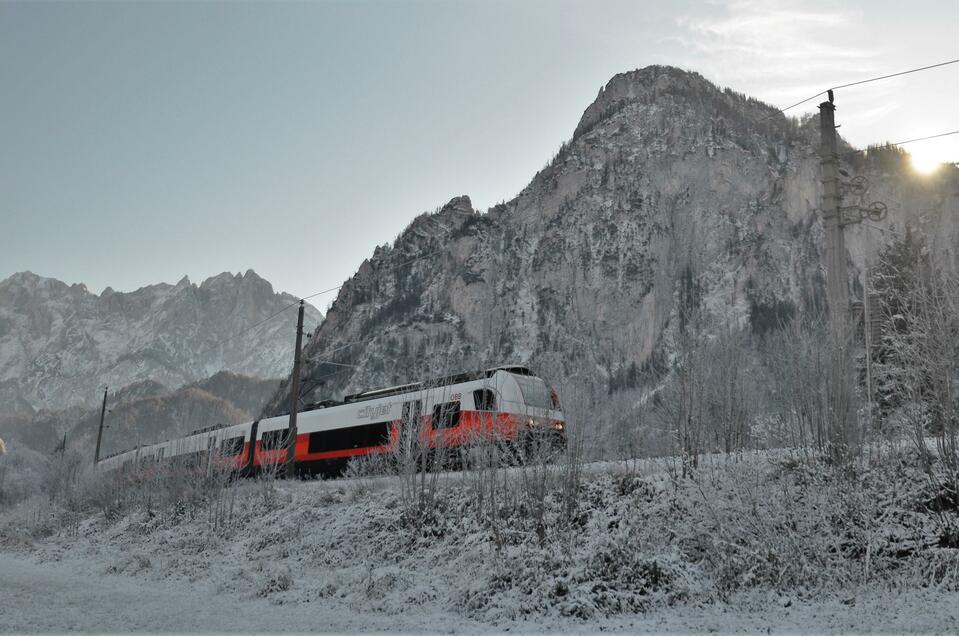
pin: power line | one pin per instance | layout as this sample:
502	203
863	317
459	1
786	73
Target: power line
403	264
340	348
246	329
335	364
902	143
315	383
320	293
882	229
871	79
909	141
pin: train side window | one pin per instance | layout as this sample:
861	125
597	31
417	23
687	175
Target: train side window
376	434
484	399
366	435
446	415
273	440
232	446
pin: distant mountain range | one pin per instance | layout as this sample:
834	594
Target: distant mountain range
60	344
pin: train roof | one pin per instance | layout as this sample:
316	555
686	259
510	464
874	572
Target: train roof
469	376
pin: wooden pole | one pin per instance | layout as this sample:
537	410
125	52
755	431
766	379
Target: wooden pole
103	412
294	398
836	283
867	339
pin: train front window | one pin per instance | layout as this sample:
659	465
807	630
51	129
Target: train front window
484	399
446	415
535	392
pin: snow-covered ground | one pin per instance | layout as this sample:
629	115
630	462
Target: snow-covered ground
752	543
80	596
77	596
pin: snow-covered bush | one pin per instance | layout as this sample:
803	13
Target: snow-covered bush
22	472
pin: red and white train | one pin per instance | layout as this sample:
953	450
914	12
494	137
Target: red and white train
506	405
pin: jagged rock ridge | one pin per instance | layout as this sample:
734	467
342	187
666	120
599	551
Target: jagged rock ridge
671	194
59	343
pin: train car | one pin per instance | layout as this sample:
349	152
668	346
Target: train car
507	405
223	447
504	404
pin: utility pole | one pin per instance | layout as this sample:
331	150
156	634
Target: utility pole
294	397
867	340
836	283
103	412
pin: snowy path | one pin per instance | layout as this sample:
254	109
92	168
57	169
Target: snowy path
58	597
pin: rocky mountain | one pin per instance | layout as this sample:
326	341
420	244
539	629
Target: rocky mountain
60	344
672	195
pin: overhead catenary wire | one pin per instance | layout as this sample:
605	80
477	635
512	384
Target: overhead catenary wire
316	382
866	81
901	143
881	229
403	264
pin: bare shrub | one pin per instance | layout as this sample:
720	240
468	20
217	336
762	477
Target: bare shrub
795	365
710	400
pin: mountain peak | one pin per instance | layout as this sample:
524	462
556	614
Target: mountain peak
672	88
221	279
34	284
26	277
461	204
642	84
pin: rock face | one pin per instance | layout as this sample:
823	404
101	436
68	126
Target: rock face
59	343
672	196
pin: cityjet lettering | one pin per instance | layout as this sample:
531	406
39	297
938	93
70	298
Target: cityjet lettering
369	412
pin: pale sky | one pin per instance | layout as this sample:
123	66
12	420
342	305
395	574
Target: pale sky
142	142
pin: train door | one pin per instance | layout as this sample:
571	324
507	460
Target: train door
251	457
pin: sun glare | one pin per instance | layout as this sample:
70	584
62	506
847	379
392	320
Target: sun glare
929	156
925	163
